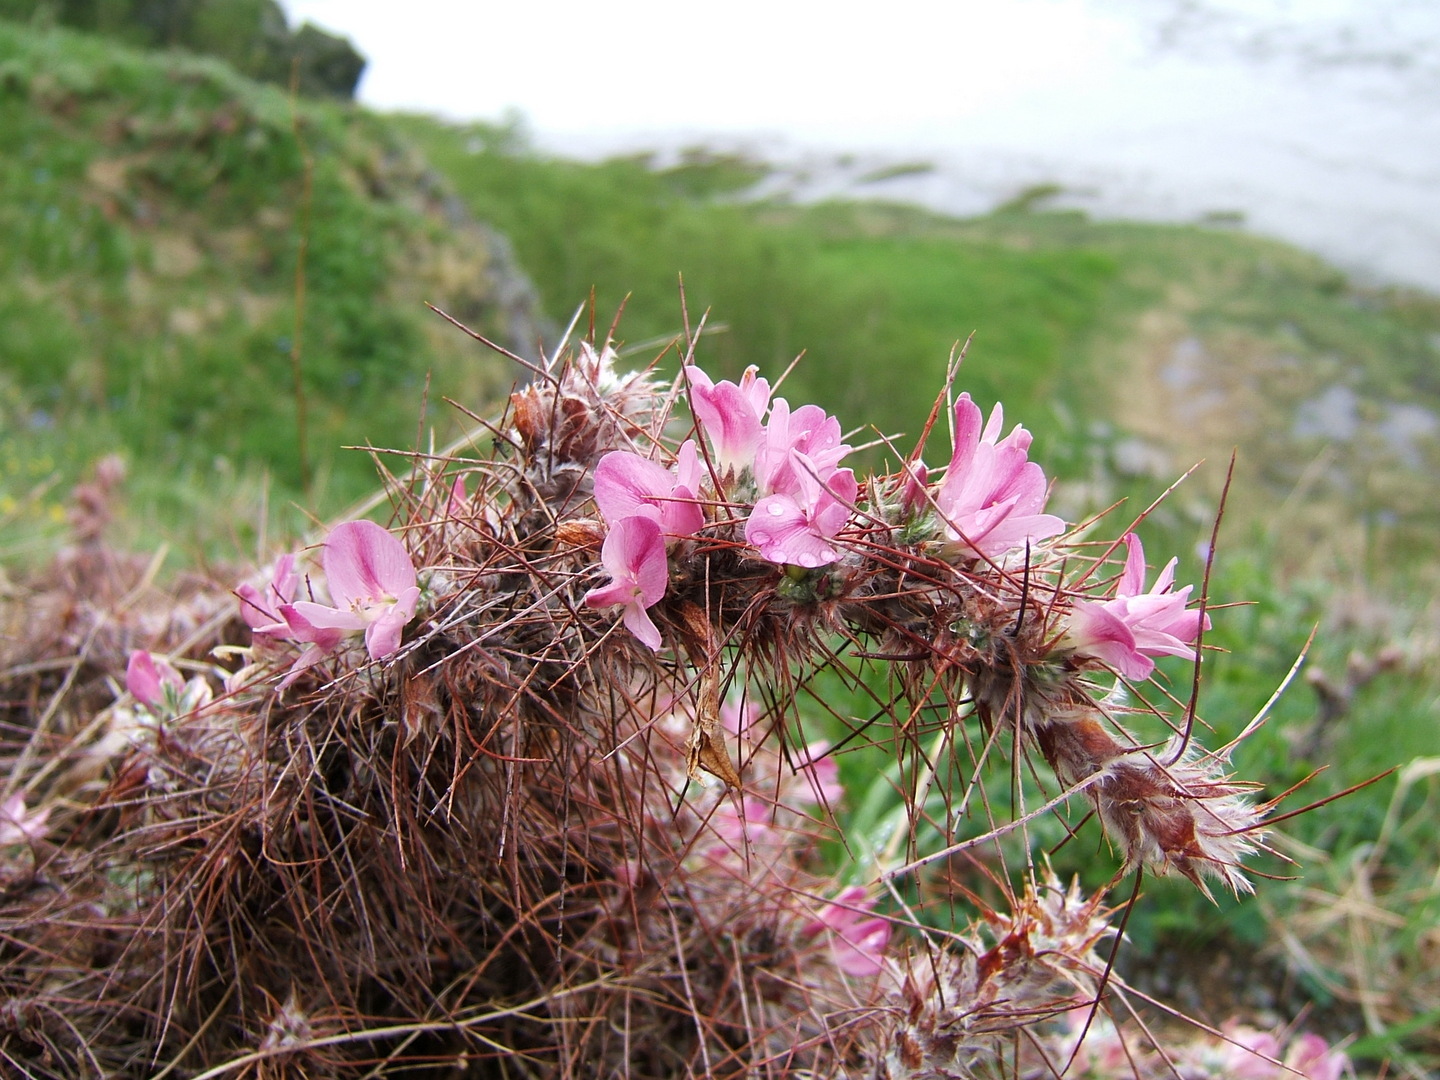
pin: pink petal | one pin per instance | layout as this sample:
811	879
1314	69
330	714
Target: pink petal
781	530
727	415
364	563
307	619
1132	581
18	825
689	474
860	950
637	620
298	617
253	607
627	485
967	438
912	488
455	506
617	592
858	939
382	637
1312	1056
820	774
635	551
312	655
146	678
1097	631
997	424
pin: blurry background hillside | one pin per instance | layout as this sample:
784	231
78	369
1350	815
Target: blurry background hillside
162	187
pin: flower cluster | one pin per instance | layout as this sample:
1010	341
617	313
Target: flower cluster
1249	1054
1235	1052
1135	625
372	581
756	837
787	462
783	466
643	504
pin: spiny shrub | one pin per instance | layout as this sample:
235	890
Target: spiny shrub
520	785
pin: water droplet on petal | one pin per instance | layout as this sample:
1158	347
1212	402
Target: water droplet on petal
808	560
779	556
776	509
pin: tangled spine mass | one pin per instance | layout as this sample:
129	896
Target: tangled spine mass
443	811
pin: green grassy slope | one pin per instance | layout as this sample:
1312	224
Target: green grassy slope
154	211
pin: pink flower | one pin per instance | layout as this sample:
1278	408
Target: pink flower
857	938
752	822
817	775
146	679
628	485
261	611
730	416
739	717
17	824
1250	1055
634	554
808	432
797	528
372	581
992	495
1312	1057
1126	631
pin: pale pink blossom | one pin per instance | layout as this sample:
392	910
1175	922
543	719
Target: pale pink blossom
261	610
751	822
628	485
634	555
1135	625
796	527
817	775
730	416
1311	1056
17	824
739	718
146	679
992	495
808	432
857	937
372	582
1251	1055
